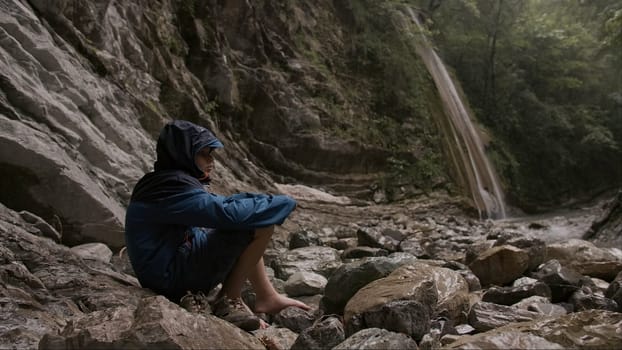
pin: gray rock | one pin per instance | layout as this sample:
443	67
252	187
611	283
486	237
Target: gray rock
466	273
45	285
412	245
485	316
448	339
281	338
585	258
431	341
562	281
156	322
474	250
615	286
304	238
580	330
342	243
586	299
466	328
43	227
547	309
614	291
372	237
351	277
512	295
500	265
325	333
93	251
377	339
305	283
441	290
535	247
505	340
73	137
322	260
362	252
541	305
409	317
524	281
471	279
600	285
524	304
294	318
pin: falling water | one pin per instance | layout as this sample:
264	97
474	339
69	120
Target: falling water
481	179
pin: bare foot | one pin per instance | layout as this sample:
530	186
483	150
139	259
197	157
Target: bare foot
276	303
263	324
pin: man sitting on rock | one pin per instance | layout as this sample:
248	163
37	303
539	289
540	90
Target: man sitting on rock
182	238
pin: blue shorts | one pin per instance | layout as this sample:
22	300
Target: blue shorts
206	258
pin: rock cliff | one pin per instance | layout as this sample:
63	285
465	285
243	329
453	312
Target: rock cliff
299	92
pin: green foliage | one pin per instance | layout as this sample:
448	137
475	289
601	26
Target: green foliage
544	87
424	173
385	91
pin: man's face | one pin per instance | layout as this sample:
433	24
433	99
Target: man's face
204	161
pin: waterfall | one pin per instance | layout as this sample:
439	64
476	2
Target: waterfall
468	150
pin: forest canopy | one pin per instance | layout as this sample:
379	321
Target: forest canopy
545	78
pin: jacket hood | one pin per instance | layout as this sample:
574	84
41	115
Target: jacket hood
179	142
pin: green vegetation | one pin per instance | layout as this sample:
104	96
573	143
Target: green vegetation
400	117
546	78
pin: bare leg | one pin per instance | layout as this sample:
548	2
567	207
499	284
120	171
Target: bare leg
250	265
247	262
268	299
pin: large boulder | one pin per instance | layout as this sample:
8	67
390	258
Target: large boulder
320	260
156	322
413	293
351	277
586	258
376	338
500	265
45	285
69	140
593	329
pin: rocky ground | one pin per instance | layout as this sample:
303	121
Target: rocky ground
418	274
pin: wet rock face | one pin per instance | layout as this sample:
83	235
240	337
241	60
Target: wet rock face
67	135
87	86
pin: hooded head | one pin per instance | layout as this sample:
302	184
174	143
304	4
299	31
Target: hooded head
178	145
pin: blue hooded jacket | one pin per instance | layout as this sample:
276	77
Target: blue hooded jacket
170	200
